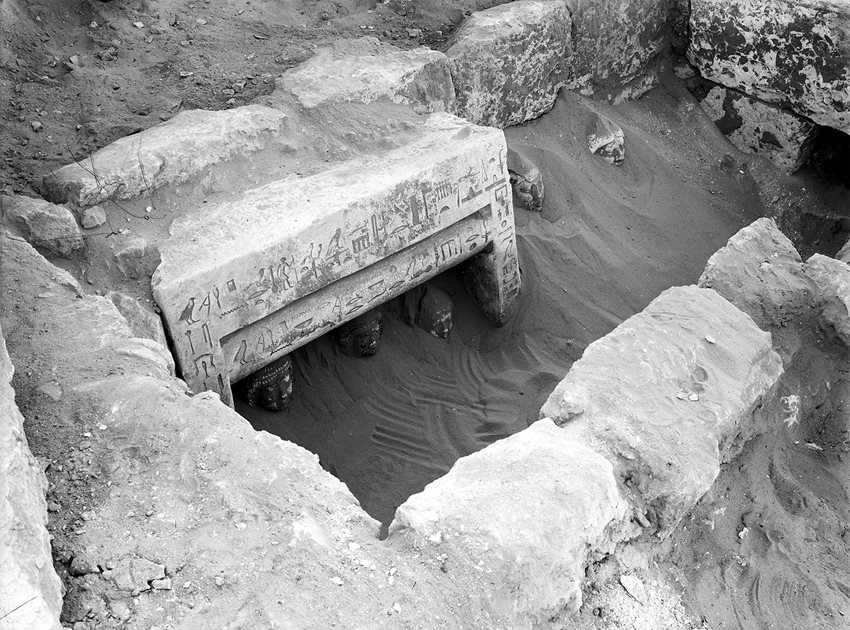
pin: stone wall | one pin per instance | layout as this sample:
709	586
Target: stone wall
30	592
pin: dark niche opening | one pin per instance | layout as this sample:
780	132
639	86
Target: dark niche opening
826	156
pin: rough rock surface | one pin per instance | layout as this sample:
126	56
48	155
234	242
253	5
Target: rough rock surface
791	52
134	257
761	273
49	227
30	592
365	70
844	253
536	505
757	127
169	153
93	217
832	278
615	44
508	62
142	322
668	396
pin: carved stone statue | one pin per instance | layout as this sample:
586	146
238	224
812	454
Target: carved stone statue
429	308
269	387
360	336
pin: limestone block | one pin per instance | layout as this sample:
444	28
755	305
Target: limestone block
135	258
791	52
527	512
761	273
241	283
757	127
666	394
832	278
365	70
508	62
49	227
30	591
93	217
167	154
142	322
844	253
615	44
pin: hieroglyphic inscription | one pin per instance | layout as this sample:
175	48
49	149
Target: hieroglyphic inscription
265	304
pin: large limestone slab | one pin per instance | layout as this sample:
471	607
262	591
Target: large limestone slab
167	154
508	62
49	227
30	591
365	70
757	127
666	395
535	507
329	246
761	273
792	52
832	278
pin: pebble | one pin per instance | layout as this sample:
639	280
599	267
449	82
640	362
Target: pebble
36	125
693	397
710	339
200	21
219	581
139	24
336	580
161	585
353	546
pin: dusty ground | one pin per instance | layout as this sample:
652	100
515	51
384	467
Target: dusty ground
606	243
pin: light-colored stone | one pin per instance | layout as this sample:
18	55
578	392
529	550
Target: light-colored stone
528	512
606	139
844	253
93	217
365	70
832	278
253	269
167	154
663	403
30	591
134	257
508	62
791	52
761	273
142	322
757	127
49	227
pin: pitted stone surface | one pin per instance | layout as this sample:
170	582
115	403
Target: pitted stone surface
365	70
536	505
375	228
30	591
667	395
761	273
791	52
49	227
167	154
508	62
832	278
757	127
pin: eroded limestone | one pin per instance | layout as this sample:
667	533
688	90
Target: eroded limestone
508	62
241	283
167	154
49	227
30	591
791	52
832	278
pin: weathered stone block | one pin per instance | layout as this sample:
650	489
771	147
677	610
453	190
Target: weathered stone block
142	322
30	591
615	45
241	283
757	127
666	395
761	273
365	70
49	227
533	506
832	278
791	52
844	253
508	62
170	153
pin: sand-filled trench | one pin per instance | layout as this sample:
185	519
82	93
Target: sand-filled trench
609	240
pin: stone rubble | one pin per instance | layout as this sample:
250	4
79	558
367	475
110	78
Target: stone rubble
832	278
49	227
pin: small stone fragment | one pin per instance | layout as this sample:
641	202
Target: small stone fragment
163	584
634	587
82	565
336	580
93	217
